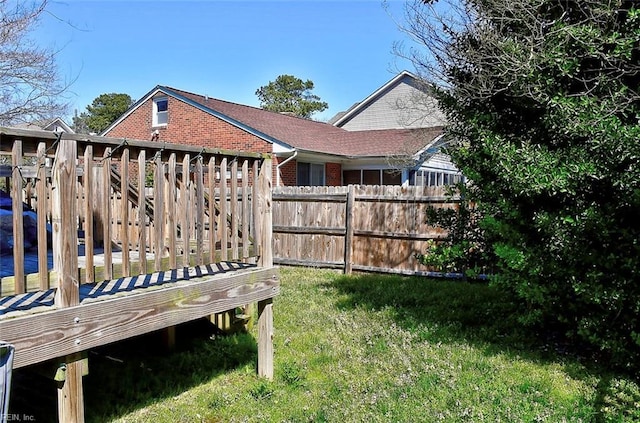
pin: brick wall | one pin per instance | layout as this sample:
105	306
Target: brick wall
333	174
288	175
188	125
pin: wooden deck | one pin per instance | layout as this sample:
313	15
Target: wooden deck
36	301
113	310
202	224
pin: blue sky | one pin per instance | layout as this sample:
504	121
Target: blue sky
224	49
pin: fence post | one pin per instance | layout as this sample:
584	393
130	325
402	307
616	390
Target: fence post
65	258
348	236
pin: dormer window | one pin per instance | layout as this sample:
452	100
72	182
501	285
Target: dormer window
160	107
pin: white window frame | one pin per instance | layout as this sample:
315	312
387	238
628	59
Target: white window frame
436	177
160	118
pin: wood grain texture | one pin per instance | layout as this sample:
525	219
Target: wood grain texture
65	234
42	336
265	338
41	209
18	220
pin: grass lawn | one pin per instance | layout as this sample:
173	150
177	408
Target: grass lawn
365	348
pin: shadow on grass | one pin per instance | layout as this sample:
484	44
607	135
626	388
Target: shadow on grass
475	313
453	310
131	374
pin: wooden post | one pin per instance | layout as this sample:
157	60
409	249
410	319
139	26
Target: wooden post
88	213
98	210
224	237
212	210
171	210
106	214
65	231
264	216
184	211
65	258
244	227
348	237
265	338
70	394
255	205
18	221
41	209
234	210
199	221
124	211
142	206
158	213
265	307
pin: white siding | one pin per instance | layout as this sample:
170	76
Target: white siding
401	106
439	161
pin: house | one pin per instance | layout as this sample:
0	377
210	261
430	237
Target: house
305	152
404	102
54	125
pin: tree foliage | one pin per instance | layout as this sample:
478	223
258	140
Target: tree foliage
543	98
30	87
288	94
102	112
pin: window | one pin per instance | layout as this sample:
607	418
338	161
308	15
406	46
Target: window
371	177
391	177
160	111
352	177
310	174
435	178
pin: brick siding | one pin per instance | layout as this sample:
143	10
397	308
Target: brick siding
188	125
333	174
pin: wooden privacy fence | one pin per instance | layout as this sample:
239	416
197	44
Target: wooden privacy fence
359	227
132	237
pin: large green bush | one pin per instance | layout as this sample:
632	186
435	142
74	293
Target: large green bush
543	98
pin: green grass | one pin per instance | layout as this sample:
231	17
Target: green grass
366	348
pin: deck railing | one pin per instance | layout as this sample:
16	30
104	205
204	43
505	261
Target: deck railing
116	207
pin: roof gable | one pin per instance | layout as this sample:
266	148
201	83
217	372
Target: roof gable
403	102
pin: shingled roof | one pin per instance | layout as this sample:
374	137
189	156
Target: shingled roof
305	134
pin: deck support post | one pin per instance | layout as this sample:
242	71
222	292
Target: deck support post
265	307
70	395
169	338
65	262
265	338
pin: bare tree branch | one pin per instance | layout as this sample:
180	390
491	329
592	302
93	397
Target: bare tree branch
30	87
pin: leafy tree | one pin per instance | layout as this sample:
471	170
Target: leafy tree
543	98
30	88
102	112
290	94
